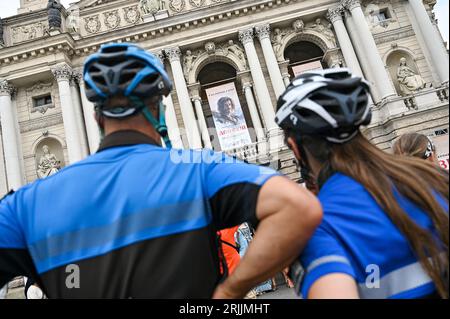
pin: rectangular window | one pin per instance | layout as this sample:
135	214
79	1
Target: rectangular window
383	15
43	100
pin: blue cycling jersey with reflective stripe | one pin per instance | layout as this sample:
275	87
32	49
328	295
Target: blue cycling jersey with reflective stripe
120	196
357	238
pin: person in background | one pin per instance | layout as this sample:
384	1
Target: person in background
385	229
416	145
229	248
244	235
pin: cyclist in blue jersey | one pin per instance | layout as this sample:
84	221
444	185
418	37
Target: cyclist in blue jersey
385	228
136	220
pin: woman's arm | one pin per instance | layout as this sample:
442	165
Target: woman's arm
334	286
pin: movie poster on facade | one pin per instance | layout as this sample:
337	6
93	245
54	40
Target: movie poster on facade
306	67
442	150
232	129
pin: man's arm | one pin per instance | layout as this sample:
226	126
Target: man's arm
288	216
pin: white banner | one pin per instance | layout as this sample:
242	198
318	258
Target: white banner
232	129
303	68
442	150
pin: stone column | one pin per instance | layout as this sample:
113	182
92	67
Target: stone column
92	129
10	140
63	73
284	67
335	17
197	100
253	109
265	102
439	56
171	116
190	124
263	32
172	123
75	92
381	77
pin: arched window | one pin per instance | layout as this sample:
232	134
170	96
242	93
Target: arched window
214	75
304	56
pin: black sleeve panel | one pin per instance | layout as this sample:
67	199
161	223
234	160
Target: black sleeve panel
234	205
15	262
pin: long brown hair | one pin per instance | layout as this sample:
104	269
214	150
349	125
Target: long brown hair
412	144
382	173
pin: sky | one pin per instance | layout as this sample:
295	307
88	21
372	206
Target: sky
9	8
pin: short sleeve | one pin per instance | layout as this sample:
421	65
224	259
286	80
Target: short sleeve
232	187
322	256
11	236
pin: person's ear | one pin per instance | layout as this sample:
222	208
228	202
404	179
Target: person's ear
293	146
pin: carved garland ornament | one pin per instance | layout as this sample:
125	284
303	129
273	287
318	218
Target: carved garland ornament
112	19
177	5
131	14
92	24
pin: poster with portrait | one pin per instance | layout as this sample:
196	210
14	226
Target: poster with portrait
232	129
442	150
306	67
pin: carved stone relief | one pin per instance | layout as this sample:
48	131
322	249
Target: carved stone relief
92	24
29	32
112	19
131	14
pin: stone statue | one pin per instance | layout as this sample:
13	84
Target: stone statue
54	14
236	50
409	80
2	42
299	26
188	63
73	20
48	163
325	30
277	43
151	6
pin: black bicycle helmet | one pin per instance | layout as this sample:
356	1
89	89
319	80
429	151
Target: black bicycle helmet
329	103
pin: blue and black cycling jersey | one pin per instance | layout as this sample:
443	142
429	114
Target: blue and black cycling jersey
138	221
357	238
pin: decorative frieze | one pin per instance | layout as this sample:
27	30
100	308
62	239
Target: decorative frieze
41	123
92	24
112	19
131	15
29	32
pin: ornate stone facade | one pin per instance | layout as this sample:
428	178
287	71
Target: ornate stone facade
255	44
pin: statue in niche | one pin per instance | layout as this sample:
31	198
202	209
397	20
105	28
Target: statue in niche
48	163
54	14
188	62
408	79
277	43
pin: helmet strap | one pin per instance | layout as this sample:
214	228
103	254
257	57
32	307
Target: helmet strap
160	124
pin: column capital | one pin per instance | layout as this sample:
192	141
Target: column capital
335	14
263	31
351	4
246	36
173	54
62	72
77	76
6	88
160	55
